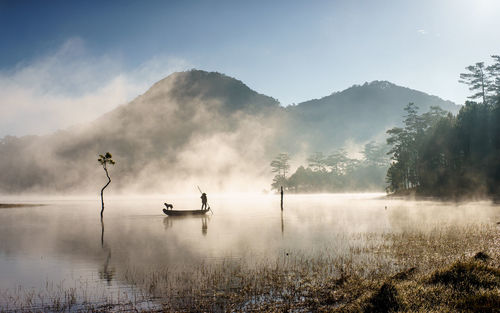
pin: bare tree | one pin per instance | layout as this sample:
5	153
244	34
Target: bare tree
104	160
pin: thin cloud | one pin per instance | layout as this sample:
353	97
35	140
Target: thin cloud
70	86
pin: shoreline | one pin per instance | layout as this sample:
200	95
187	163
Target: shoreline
414	196
18	205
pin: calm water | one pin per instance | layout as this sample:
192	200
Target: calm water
62	244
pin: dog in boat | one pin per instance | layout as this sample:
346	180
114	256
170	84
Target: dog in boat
169	206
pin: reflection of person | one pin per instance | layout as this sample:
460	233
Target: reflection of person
203	201
204	226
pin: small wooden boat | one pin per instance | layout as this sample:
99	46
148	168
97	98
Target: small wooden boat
185	212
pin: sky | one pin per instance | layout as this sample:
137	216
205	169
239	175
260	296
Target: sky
67	62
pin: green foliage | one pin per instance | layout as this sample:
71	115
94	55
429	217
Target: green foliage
105	159
152	131
280	165
360	113
375	154
405	154
338	172
483	80
317	162
494	79
477	80
439	154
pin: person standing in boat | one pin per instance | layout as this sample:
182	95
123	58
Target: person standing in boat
204	201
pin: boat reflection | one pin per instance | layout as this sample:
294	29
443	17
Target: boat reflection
170	220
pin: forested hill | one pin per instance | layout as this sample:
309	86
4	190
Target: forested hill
192	127
200	127
456	157
359	113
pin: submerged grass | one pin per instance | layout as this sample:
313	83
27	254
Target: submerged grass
437	270
443	269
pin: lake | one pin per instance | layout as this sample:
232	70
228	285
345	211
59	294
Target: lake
61	245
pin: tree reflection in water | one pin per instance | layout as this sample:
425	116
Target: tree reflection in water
106	272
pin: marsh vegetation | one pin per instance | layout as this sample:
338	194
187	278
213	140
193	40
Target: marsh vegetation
345	253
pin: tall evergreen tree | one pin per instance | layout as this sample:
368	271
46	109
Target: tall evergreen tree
405	142
339	163
317	162
280	165
477	80
374	154
494	79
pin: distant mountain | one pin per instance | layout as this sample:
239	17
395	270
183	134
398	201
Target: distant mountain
359	113
192	127
200	128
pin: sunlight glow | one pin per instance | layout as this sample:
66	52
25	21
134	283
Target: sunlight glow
482	9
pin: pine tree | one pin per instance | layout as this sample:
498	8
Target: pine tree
494	79
317	162
477	80
280	165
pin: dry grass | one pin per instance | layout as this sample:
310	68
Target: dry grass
388	272
438	270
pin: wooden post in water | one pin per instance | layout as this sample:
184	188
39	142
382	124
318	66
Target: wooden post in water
281	198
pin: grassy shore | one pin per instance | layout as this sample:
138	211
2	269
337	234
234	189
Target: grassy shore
446	270
415	194
443	269
17	205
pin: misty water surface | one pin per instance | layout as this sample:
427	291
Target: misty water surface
62	242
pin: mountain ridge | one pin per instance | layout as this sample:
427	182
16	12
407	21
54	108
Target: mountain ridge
380	84
199	127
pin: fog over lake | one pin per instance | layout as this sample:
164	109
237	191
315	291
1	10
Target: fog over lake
59	243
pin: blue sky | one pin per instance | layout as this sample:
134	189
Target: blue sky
67	62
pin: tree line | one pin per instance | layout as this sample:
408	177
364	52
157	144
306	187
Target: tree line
433	154
439	154
336	172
